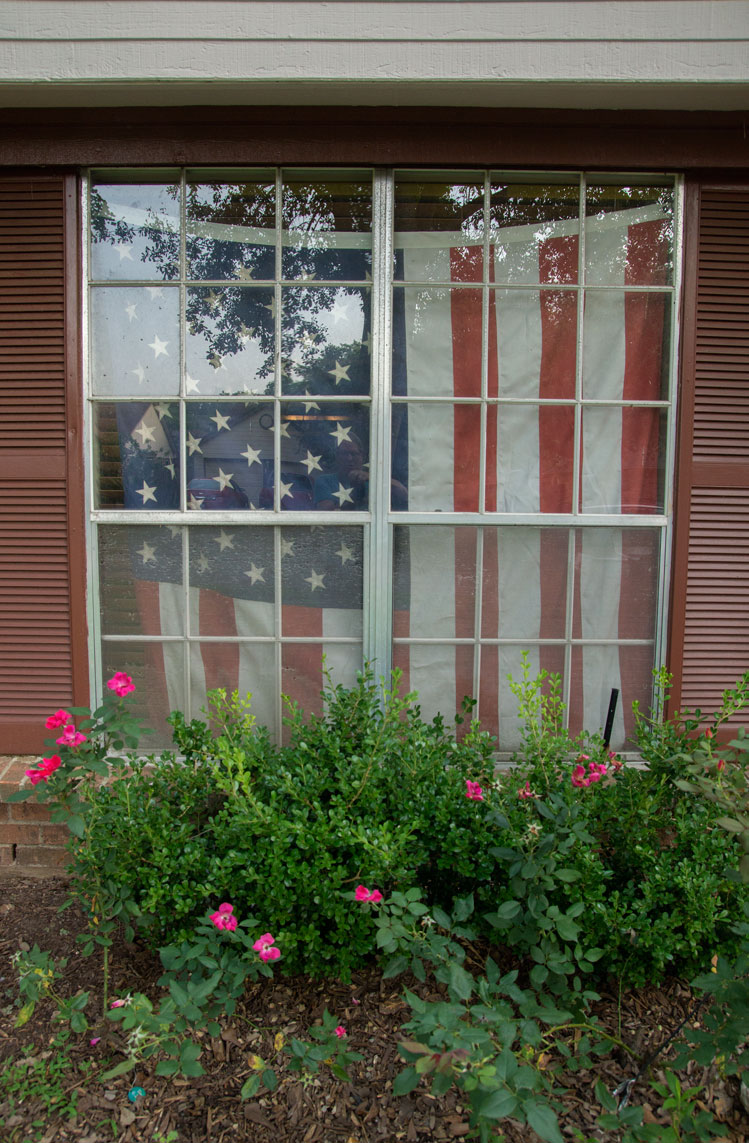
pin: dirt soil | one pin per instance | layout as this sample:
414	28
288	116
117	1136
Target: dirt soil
322	1110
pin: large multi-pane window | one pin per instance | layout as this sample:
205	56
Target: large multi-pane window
419	419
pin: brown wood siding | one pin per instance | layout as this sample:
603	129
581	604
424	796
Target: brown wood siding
710	616
41	556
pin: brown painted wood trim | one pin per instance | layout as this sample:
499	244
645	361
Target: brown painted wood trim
74	443
17	465
546	138
684	443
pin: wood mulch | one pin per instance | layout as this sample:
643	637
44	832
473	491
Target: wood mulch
320	1110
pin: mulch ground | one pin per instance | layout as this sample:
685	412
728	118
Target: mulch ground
321	1110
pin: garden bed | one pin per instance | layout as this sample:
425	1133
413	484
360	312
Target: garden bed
42	1084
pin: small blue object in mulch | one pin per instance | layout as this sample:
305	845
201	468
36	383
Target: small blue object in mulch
135	1094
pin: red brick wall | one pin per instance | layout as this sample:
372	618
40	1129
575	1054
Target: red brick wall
30	844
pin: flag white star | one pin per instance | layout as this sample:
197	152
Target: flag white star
130	311
244	333
343	496
272	306
344	553
147	553
193	504
315	580
175	531
308	340
163	410
256	574
244	273
284	490
156	291
224	479
140	373
193	443
203	565
251	455
191	385
367	343
158	346
224	540
145	432
367	276
147	492
215	360
340	373
312	462
340	433
310	405
307	277
285	430
123	249
222	422
169	466
287	548
213	299
338	312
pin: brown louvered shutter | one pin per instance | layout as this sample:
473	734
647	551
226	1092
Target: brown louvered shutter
42	627
710	617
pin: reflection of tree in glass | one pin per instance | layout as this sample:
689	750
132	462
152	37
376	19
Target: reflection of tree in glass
231	238
317	374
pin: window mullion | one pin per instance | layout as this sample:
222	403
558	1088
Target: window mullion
378	592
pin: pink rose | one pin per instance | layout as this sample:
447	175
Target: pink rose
340	1031
265	949
474	792
361	893
526	791
59	718
223	918
70	737
121	684
46	767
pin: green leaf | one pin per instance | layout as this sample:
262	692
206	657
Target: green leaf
405	1081
270	1079
249	1087
167	1067
567	929
460	982
122	1068
543	1121
25	1014
77	825
395	967
463	908
494	1104
567	875
731	824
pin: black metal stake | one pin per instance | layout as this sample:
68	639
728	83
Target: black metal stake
610	717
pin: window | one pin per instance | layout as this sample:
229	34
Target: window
422	420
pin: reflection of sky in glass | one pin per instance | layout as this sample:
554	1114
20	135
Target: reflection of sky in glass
231	231
134	231
229	341
135	340
325	334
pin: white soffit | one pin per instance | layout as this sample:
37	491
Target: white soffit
537	53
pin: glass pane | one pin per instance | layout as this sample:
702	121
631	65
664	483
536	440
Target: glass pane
534	231
325	457
232	581
307	667
135	231
434	578
248	668
629	232
530	458
327	230
498	706
536	342
439	231
140	581
135	341
437	448
322	582
595	671
326	340
524	594
626	343
623	461
158	671
231	230
229	455
136	455
616	582
230	341
437	342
